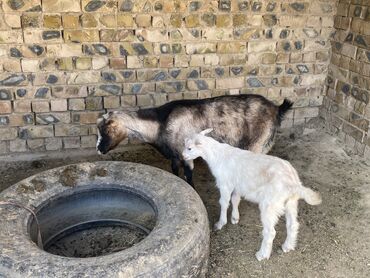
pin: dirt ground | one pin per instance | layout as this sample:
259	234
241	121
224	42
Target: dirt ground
334	238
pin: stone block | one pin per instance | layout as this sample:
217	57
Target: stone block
18	145
111	102
76	104
230	83
53	144
78	36
88	141
71	21
72	142
8	133
31	132
55	6
52	21
12	20
83	63
22	106
5	107
40	106
58	105
35	144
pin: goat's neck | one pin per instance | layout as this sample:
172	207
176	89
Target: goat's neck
213	156
140	129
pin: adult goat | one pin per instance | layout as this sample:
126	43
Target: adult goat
244	121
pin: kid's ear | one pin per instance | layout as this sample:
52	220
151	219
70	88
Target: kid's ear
206	131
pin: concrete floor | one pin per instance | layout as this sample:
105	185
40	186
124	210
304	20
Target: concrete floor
333	239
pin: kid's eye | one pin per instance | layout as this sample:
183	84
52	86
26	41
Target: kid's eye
189	149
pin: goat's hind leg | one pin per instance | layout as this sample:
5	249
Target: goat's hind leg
292	225
235	200
269	217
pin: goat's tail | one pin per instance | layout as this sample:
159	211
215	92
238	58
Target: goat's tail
311	197
283	108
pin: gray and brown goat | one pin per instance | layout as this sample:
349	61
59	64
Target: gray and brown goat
244	121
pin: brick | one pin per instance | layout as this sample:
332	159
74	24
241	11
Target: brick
230	83
12	20
52	21
76	104
111	102
133	62
3	147
89	20
81	36
58	105
5	107
11	65
261	46
83	63
64	130
125	20
22	106
55	6
53	144
36	132
40	106
85	117
117	63
8	133
306	112
108	20
143	20
70	92
18	145
128	101
35	144
144	100
99	62
88	141
94	103
71	142
70	21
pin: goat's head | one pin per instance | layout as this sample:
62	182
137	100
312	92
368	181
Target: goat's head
194	145
111	132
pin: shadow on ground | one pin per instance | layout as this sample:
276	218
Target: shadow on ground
334	238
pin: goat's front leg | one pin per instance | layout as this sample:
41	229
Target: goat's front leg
235	200
225	195
175	166
188	171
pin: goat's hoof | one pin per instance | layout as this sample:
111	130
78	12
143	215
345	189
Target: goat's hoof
218	226
287	247
262	256
234	220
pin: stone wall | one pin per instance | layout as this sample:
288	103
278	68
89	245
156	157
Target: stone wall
346	107
65	62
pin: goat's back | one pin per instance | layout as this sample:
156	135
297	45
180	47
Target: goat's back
244	121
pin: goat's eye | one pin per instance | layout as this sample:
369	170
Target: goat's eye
189	149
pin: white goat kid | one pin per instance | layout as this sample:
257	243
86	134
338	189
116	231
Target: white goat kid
271	182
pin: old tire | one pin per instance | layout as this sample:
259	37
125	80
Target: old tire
178	245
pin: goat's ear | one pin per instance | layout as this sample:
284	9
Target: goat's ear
99	120
206	131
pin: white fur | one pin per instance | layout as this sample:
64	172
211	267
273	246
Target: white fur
271	182
98	142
